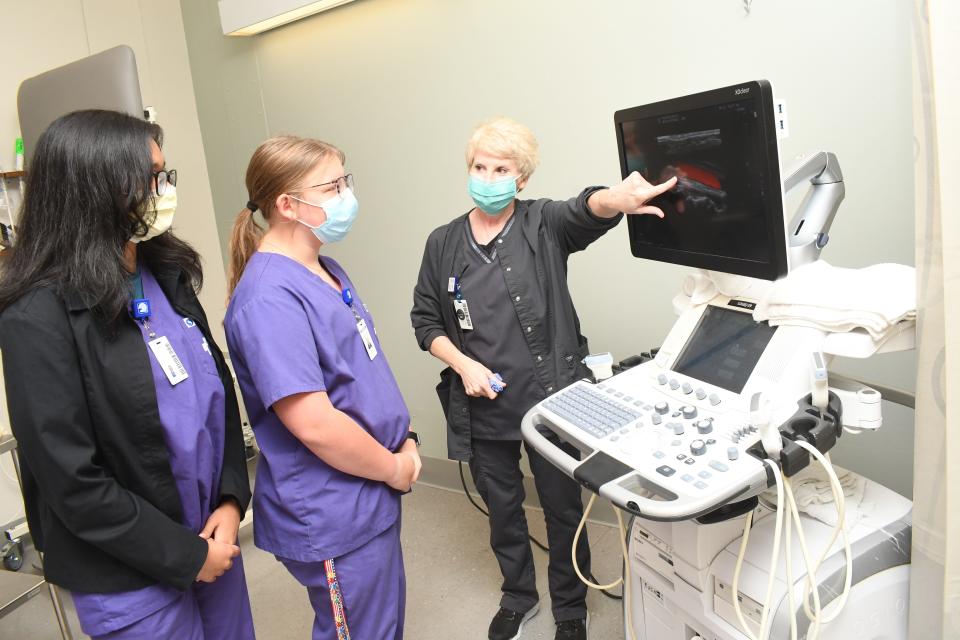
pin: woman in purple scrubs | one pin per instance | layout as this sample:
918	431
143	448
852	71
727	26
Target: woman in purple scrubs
134	473
333	430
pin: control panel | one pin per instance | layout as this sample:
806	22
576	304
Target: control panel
672	438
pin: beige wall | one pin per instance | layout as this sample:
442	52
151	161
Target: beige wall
43	34
398	84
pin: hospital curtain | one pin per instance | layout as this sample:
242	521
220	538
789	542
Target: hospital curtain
935	572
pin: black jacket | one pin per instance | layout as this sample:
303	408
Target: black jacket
553	230
100	496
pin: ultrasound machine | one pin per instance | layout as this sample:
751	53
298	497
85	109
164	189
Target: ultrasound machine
728	408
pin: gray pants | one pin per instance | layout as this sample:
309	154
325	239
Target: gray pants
495	467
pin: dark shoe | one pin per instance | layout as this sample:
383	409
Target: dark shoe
573	629
507	624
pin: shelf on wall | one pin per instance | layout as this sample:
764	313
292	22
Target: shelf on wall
12	174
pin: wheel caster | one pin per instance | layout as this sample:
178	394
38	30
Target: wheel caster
13	556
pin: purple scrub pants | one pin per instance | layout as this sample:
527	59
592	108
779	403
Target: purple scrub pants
372	584
216	611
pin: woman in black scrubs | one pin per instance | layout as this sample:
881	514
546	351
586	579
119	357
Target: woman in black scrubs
492	303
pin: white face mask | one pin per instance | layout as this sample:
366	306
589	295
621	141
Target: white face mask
164	207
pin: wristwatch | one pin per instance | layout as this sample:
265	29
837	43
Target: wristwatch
412	435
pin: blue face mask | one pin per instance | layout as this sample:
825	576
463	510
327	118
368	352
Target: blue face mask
492	197
341	211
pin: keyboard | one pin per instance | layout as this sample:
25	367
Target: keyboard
590	410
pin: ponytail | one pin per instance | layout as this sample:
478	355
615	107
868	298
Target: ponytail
244	240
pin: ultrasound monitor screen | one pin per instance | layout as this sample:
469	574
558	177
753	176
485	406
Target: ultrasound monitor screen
724	348
726	212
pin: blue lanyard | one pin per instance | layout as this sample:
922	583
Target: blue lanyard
347	296
457	289
140	307
141	311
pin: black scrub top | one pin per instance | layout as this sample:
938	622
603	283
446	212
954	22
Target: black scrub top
497	340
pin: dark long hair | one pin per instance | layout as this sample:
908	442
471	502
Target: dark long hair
89	190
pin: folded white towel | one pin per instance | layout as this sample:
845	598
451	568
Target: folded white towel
836	299
696	288
813	495
701	286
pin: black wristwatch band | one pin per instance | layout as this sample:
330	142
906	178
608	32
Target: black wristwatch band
412	435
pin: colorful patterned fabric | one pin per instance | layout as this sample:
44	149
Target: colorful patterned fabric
336	601
372	589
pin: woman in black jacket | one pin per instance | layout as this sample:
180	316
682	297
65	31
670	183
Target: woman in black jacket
134	473
492	303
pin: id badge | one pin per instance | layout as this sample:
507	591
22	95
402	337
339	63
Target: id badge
367	340
463	314
169	360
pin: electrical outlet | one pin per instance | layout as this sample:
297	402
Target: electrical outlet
780	112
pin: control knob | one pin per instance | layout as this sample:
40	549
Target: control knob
698	447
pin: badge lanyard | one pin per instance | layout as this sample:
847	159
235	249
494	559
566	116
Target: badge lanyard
160	346
460	307
462	311
365	337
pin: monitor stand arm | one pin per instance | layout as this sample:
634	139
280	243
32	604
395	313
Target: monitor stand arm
808	232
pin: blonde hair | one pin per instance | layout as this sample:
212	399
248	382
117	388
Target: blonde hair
278	166
505	138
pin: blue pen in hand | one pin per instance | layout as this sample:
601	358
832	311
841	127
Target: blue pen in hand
495	383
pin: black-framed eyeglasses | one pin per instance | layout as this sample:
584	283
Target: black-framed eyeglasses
341	183
162	178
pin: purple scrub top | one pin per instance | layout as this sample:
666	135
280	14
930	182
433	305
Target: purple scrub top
192	417
290	332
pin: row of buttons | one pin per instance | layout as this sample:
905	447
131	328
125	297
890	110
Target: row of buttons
687	389
703	426
667	471
639	403
742	432
699	484
688	411
695	447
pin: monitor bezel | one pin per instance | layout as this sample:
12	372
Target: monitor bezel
761	93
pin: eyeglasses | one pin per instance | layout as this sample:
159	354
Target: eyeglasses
341	183
162	178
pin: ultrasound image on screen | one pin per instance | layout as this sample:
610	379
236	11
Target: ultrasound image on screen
724	348
717	207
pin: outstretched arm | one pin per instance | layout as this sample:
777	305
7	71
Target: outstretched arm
630	196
